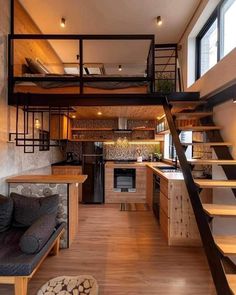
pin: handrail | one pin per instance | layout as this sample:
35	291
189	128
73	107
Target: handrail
212	253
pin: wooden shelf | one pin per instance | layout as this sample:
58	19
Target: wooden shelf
91	129
226	244
220	210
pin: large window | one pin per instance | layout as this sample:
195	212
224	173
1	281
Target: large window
217	37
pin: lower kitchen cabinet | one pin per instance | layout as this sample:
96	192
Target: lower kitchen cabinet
69	170
176	217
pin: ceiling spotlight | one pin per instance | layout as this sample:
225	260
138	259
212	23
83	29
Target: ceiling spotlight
120	68
73	116
159	20
99	113
63	22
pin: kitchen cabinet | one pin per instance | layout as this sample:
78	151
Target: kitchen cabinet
69	170
176	217
60	127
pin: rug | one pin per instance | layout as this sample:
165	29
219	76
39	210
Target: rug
134	207
79	285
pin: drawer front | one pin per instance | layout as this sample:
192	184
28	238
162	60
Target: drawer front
164	186
164	223
164	204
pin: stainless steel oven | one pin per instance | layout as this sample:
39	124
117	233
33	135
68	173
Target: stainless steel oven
156	196
124	179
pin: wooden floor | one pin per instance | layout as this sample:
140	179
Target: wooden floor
126	253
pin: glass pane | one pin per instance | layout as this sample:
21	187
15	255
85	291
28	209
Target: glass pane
208	47
228	26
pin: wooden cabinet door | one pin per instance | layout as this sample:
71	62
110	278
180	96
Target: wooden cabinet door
60	127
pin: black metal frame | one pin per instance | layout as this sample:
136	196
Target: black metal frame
13	97
215	15
212	253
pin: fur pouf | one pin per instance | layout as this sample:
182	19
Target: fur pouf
79	285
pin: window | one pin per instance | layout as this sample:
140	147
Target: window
169	147
208	48
217	38
228	25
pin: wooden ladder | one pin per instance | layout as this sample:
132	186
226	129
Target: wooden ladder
216	247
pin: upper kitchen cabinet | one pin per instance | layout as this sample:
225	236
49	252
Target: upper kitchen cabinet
60	127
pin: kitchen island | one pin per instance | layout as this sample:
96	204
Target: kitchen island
67	186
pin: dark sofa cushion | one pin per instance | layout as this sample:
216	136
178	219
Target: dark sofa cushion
38	234
28	209
6	211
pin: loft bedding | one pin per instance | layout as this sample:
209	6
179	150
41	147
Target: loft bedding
99	85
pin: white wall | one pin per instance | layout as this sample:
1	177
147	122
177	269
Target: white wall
12	159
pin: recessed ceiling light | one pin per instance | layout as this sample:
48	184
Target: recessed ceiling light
120	68
63	22
234	100
159	20
99	113
73	116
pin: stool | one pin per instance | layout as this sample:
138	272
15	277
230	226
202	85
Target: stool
65	285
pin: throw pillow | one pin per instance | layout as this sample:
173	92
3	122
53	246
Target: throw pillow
38	234
36	67
6	211
28	209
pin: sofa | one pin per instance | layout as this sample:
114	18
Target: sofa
28	233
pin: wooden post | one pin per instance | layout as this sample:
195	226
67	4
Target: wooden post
21	285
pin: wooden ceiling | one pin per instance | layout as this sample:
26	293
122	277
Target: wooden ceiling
131	112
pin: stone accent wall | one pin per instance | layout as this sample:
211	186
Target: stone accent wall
41	190
12	159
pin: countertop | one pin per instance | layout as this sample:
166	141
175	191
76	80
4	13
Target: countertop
47	179
166	175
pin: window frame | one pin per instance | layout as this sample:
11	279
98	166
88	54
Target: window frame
215	15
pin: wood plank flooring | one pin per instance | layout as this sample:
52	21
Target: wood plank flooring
126	253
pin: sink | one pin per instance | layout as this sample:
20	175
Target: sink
167	169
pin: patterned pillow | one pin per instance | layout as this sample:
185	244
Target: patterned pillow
6	211
28	209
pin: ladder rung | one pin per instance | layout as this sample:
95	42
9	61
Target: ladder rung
207	144
220	210
211	162
226	244
199	128
232	282
212	183
192	115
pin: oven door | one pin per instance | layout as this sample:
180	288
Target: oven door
124	180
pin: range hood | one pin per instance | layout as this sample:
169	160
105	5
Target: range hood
122	126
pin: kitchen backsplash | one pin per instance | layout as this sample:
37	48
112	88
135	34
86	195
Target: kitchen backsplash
117	151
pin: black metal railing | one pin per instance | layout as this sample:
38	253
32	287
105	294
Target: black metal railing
81	78
212	253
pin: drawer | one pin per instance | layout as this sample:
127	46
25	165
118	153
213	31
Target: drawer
164	224
164	204
164	186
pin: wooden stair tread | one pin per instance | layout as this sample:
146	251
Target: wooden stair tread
192	115
219	209
207	143
212	183
226	244
199	128
232	282
186	103
211	162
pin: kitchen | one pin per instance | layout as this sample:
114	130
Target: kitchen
129	159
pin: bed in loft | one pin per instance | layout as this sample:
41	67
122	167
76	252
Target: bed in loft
31	79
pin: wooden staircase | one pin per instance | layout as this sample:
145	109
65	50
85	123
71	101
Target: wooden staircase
218	248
